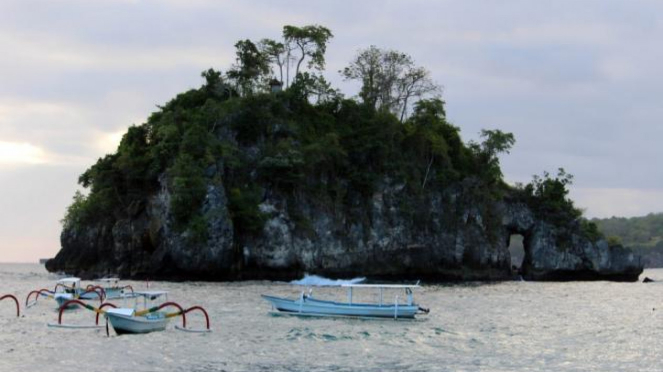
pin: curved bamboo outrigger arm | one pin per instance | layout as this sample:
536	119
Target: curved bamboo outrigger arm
207	323
100	310
169	315
101	293
37	293
63	308
58	285
18	311
72	302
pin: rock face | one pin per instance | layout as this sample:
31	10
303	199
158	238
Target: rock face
553	255
453	234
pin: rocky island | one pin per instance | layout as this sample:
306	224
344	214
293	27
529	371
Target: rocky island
247	178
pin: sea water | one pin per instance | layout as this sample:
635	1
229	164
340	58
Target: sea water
507	326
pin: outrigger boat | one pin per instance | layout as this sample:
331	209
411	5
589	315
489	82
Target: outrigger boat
111	287
306	305
130	320
67	289
71	289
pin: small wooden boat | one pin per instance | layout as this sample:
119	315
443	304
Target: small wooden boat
66	289
131	320
125	321
149	319
306	305
111	288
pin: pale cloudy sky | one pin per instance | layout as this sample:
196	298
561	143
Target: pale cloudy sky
579	83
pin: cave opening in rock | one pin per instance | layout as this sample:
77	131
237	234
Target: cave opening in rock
517	251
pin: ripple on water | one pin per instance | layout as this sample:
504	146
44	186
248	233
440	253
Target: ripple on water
512	326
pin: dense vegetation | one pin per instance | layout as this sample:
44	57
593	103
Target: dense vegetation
645	232
547	196
642	234
304	139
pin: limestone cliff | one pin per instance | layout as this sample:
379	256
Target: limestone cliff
268	186
451	236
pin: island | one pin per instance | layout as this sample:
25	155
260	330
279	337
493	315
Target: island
268	172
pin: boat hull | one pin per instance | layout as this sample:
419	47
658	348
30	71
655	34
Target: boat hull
311	306
110	293
123	324
62	298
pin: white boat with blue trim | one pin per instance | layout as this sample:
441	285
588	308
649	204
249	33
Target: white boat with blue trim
307	305
129	320
125	321
110	287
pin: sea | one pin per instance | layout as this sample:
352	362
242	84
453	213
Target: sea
504	326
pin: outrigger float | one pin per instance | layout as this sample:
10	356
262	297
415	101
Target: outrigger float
126	320
12	297
67	289
306	305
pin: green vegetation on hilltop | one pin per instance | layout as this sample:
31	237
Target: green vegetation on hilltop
644	232
307	139
547	196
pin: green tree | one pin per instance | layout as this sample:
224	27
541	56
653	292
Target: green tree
548	197
390	79
487	153
76	213
188	189
309	85
251	69
277	53
614	240
214	84
310	41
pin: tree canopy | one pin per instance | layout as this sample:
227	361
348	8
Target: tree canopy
390	79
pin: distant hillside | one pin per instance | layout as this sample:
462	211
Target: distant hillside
643	234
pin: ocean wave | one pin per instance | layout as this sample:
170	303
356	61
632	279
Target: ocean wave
319	281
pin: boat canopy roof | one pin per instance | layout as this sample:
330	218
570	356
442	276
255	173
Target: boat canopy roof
121	311
150	294
398	286
69	281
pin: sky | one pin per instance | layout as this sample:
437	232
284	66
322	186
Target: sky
578	83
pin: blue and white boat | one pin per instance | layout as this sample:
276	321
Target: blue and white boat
111	289
67	289
307	305
127	320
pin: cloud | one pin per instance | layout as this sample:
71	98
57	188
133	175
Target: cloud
621	202
578	83
51	51
12	153
57	133
107	143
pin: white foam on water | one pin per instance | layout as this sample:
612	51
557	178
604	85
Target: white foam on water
319	281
